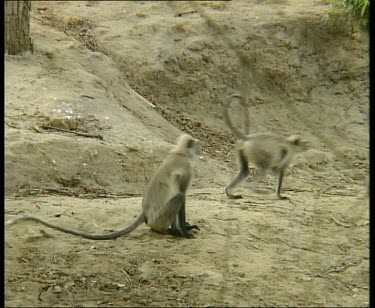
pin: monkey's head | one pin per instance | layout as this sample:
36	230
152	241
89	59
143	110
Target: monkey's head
187	145
298	142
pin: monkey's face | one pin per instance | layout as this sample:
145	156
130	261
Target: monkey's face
194	147
298	142
187	145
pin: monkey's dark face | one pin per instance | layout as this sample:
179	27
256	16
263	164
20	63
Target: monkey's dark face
193	146
299	143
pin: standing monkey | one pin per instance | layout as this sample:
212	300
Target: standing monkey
267	151
164	200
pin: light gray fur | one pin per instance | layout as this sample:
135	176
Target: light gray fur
266	151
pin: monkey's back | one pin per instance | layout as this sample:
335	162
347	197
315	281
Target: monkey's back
172	177
267	151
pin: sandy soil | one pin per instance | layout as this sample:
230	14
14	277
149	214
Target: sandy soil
93	111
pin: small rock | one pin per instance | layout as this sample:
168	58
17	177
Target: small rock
304	278
57	289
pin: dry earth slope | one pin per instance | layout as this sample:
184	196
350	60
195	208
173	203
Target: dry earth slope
93	111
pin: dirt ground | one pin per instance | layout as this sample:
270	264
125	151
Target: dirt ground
109	87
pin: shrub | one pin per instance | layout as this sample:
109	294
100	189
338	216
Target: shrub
359	9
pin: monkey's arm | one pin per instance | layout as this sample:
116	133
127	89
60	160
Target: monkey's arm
175	209
185	227
182	218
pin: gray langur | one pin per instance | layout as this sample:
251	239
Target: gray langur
267	151
164	200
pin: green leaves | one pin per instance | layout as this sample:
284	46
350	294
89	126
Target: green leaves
360	10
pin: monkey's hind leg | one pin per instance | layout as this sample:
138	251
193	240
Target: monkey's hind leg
241	176
179	226
278	188
180	232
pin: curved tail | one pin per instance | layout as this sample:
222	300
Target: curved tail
141	219
227	120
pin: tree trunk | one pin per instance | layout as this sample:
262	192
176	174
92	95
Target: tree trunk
17	27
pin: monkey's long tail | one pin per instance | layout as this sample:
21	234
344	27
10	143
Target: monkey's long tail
141	219
229	123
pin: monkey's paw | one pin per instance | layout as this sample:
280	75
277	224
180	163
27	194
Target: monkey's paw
283	198
190	227
234	196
